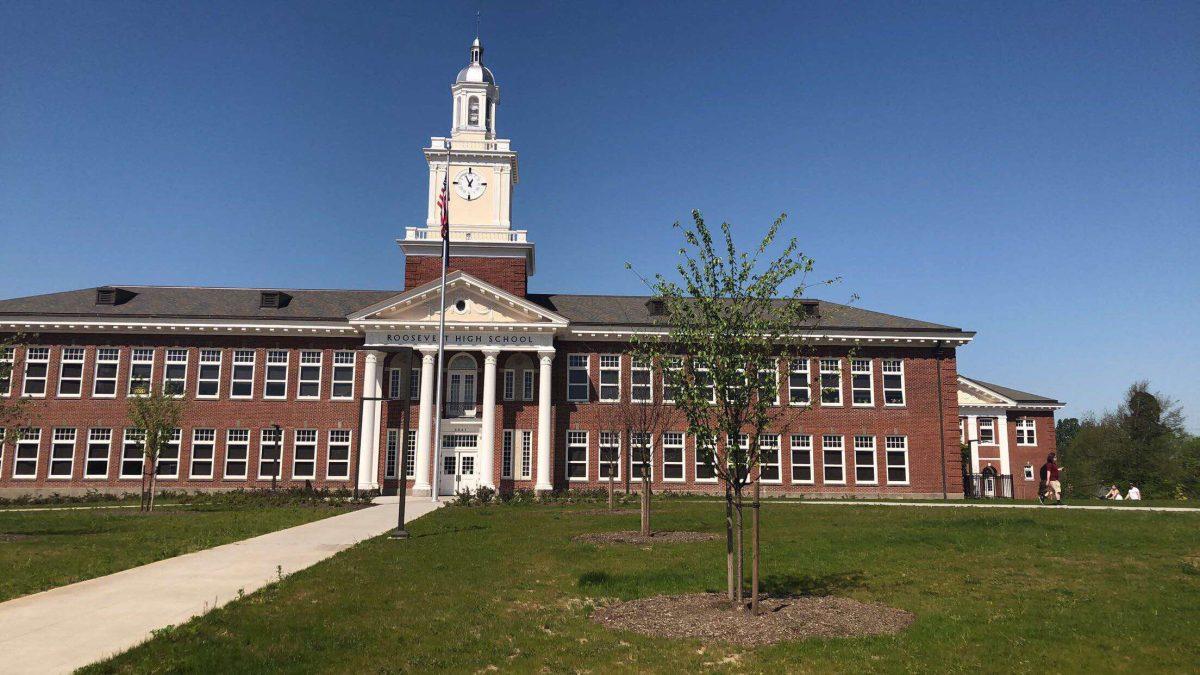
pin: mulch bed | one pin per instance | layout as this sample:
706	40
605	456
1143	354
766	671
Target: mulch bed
710	616
633	537
9	537
605	512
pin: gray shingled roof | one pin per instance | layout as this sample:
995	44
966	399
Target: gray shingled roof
1015	394
190	302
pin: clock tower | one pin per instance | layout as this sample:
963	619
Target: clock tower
482	174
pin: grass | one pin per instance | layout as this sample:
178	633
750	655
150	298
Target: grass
505	587
44	548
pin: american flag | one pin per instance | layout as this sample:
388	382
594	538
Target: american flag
444	204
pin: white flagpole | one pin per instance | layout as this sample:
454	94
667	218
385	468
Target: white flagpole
437	411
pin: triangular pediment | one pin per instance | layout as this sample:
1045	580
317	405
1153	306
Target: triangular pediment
973	394
469	301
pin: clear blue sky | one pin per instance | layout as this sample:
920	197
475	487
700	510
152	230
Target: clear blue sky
1029	171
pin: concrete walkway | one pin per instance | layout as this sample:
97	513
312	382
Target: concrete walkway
960	504
65	628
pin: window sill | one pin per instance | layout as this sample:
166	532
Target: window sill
904	484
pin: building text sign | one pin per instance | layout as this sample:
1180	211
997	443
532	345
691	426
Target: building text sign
502	339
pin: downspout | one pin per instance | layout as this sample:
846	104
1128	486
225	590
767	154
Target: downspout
937	353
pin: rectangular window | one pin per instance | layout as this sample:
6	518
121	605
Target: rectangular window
768	379
70	372
799	385
391	454
802	458
395	382
99	449
414	384
706	460
1028	472
862	383
527	384
833	460
510	385
270	453
672	456
25	459
577	377
526	455
310	375
37	364
343	378
1026	432
987	430
208	380
204	450
104	382
168	457
577	455
864	460
641	445
610	454
506	451
410	454
641	381
6	364
896	451
893	382
672	367
768	459
337	464
831	382
133	453
175	372
62	453
704	380
304	453
141	371
610	378
242	382
277	374
237	453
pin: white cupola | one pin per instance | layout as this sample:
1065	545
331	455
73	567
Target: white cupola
475	98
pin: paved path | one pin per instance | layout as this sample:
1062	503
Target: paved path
69	627
959	504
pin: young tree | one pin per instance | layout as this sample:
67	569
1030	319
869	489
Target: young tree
733	317
11	406
156	414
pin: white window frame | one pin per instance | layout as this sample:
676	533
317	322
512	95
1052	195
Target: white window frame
526	454
991	428
800	368
308	359
74	357
175	443
36	356
892	368
414	384
266	441
395	380
241	439
391	454
209	357
98	439
579	363
672	369
892	445
635	466
827	369
309	440
175	357
30	438
343	364
577	439
204	437
140	356
507	452
609	441
133	450
409	453
509	381
1029	472
674	440
866	444
768	443
106	356
829	443
341	438
800	443
640	367
698	463
276	358
61	437
7	358
241	359
610	366
772	371
860	367
1026	431
528	384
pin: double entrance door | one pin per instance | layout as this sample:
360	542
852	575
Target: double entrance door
459	468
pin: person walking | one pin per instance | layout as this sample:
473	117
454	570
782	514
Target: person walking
1050	476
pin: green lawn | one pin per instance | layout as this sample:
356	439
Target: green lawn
504	586
42	549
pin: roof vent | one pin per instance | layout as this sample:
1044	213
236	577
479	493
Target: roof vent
812	308
273	300
656	306
108	295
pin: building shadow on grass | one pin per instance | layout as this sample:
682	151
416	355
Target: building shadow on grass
455	530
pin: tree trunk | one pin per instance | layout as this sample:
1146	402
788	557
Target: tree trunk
611	478
142	504
645	504
150	497
739	572
754	541
729	565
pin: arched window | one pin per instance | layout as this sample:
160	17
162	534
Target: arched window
460	381
520	378
473	111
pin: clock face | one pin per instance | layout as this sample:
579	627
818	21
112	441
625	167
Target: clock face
469	185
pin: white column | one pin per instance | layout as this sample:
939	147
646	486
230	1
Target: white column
543	430
421	485
487	432
368	433
1002	432
973	438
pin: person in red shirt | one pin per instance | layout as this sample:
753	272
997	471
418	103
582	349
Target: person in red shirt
1050	478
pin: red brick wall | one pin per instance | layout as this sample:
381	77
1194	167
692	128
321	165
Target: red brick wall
509	274
1032	455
